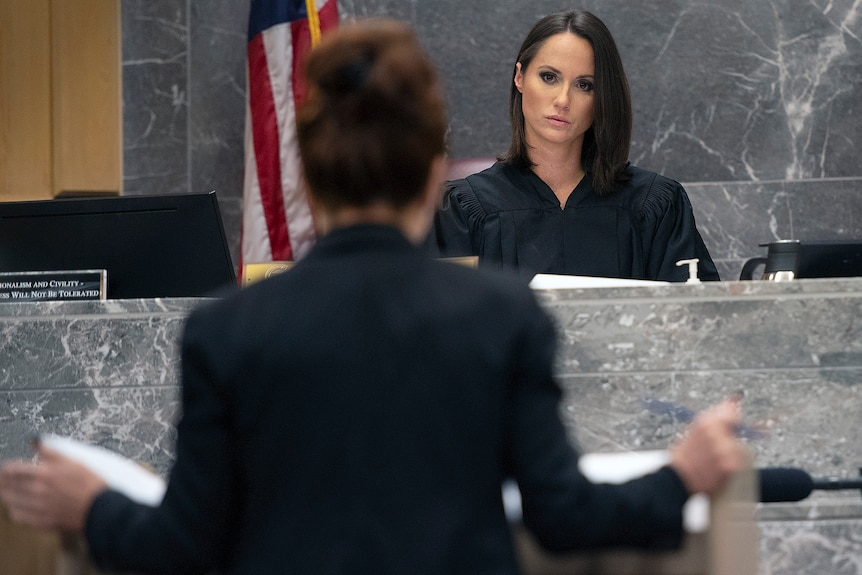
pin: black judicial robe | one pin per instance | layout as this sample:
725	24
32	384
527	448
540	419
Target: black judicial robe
510	218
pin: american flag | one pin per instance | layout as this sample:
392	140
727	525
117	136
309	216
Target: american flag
276	219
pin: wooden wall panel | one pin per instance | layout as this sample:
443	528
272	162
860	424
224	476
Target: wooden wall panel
25	100
60	98
86	87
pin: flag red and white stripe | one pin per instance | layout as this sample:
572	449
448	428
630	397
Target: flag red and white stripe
276	219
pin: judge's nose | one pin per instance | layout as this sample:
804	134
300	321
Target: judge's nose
562	99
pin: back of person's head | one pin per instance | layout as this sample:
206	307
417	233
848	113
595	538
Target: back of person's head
606	144
374	118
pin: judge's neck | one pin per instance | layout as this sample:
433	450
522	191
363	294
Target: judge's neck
559	167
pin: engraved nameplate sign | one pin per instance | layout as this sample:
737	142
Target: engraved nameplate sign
53	285
254	272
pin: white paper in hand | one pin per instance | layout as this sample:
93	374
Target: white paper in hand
121	474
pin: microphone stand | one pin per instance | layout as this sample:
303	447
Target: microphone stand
839	483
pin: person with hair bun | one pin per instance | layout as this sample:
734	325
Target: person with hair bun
359	412
564	199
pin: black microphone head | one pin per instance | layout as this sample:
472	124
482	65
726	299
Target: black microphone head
784	484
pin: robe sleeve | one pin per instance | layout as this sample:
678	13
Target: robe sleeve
458	224
670	234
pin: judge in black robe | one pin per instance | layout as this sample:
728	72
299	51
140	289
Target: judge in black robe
510	218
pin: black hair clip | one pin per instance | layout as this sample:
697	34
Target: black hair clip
352	76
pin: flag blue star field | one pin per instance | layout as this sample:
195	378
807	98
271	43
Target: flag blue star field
276	222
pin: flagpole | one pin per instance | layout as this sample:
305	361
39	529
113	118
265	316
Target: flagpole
313	21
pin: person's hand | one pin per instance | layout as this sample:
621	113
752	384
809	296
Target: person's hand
56	492
710	453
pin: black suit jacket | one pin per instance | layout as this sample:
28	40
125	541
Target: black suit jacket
357	415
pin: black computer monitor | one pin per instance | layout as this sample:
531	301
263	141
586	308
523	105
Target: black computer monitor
830	259
151	246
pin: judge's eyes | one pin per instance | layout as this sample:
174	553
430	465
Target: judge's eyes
548	77
584	85
581	84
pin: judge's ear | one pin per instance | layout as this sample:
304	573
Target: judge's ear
519	77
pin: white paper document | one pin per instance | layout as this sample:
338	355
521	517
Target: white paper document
121	474
554	281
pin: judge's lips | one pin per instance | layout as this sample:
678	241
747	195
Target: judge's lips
685	415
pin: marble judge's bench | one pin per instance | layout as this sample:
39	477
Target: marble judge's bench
634	362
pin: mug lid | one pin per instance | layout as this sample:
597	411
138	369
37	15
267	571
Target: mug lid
780	246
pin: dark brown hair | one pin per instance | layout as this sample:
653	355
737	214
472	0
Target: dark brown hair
606	144
374	118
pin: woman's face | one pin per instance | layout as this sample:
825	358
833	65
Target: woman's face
557	92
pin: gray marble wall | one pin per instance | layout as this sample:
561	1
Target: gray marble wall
754	106
103	372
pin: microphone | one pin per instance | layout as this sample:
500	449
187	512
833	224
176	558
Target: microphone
785	484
